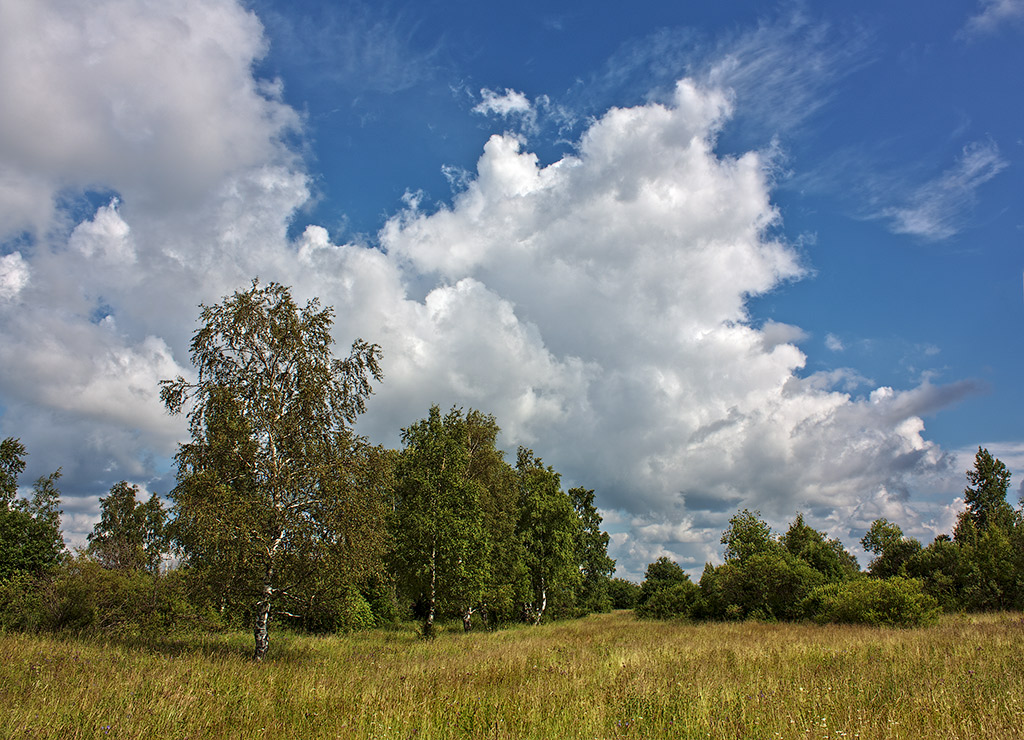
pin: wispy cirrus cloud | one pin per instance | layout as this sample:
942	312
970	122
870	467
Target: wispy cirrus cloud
994	15
937	209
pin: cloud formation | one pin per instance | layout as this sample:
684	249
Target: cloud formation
598	305
935	210
994	15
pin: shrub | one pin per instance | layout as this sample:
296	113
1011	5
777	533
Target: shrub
673	602
894	602
623	593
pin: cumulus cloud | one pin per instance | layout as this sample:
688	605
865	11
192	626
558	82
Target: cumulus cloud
596	305
13	275
509	105
936	209
158	100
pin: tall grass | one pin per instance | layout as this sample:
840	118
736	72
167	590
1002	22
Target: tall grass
606	676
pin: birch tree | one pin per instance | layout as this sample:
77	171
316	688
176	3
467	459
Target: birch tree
261	483
439	535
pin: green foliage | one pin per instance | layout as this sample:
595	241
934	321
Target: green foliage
12	465
30	538
596	568
893	602
679	600
827	556
661	574
623	593
985	497
766	585
130	535
439	529
269	483
548	532
82	596
747	535
893	550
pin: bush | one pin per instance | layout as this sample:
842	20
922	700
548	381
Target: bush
674	602
894	602
623	593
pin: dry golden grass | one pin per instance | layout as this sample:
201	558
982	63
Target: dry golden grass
606	676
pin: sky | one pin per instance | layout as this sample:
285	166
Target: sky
698	256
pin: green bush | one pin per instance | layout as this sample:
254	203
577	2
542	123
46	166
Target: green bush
893	602
82	596
623	593
673	602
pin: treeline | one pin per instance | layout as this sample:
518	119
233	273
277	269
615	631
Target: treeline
802	574
283	515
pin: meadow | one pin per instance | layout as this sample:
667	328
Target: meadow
605	676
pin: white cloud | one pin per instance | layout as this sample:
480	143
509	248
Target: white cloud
510	104
14	275
597	305
114	92
834	343
936	209
995	14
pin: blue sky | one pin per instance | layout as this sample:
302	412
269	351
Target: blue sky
699	256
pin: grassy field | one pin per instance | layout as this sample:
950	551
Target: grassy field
607	676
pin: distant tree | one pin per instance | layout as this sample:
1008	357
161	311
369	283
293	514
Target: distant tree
12	465
661	574
596	568
892	549
129	535
439	533
985	497
827	556
747	535
623	593
262	483
548	531
30	537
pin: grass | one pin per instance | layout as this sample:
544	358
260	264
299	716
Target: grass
606	676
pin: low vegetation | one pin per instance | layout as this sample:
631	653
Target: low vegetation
603	676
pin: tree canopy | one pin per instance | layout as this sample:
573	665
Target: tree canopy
272	454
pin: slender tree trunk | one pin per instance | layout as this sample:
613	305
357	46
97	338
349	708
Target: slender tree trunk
543	602
262	617
428	622
263	605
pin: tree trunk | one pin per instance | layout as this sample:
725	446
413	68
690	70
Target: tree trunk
543	602
260	627
428	622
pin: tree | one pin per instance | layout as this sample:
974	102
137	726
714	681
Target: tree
30	538
892	549
747	535
623	593
596	568
986	495
548	532
272	450
129	535
12	464
661	574
827	556
439	534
